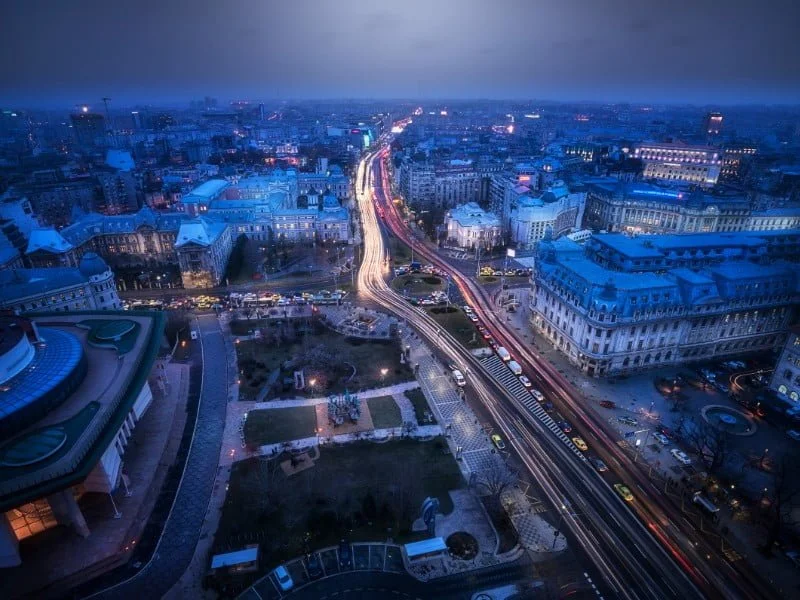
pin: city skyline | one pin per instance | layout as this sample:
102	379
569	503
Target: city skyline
473	49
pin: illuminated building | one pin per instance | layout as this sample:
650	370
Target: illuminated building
621	304
680	163
712	124
469	226
89	129
786	377
74	387
554	212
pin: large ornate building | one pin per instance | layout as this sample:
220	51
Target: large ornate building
612	205
88	286
622	304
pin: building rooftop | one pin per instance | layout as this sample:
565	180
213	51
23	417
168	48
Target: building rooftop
47	240
471	215
200	231
18	284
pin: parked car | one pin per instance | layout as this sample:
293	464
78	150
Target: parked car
458	377
623	491
345	555
283	578
681	456
498	441
473	317
608	404
599	465
565	426
661	438
525	381
314	566
580	444
628	421
537	394
194	334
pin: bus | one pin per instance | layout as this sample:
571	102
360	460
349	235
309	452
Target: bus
706	505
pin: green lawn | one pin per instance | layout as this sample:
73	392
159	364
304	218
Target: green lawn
385	412
417	284
459	326
363	491
421	406
488	279
274	425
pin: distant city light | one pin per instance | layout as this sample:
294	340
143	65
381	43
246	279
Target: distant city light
443	113
85	109
510	129
533	116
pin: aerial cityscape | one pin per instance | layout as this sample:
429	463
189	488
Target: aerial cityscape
438	300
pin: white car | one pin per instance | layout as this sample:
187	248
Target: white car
525	381
458	377
662	438
194	334
283	578
537	394
681	456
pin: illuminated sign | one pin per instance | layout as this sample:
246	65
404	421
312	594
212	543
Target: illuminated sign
524	178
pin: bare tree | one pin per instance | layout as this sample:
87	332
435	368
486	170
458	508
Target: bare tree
784	499
494	481
710	443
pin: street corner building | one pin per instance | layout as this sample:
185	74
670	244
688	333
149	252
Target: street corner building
621	304
73	386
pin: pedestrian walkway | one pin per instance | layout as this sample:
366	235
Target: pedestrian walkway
392	390
181	532
471	444
407	412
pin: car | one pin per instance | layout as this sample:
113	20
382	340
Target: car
537	394
492	344
628	421
194	334
599	465
314	566
525	381
458	377
498	441
345	555
721	387
794	434
580	444
794	556
548	407
608	404
565	426
486	335
661	438
623	491
473	317
681	456
467	308
666	431
283	578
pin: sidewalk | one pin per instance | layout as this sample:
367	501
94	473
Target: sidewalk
477	453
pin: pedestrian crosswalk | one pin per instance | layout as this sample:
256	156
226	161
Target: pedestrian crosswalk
501	373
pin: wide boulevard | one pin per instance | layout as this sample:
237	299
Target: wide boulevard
639	551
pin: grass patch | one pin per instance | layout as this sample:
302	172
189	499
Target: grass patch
416	284
459	326
275	425
363	491
385	412
325	357
487	279
422	409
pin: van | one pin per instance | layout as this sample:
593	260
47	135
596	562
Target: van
515	367
503	353
459	378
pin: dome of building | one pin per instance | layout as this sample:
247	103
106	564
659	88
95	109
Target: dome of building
91	264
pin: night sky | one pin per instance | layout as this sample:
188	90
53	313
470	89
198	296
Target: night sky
62	52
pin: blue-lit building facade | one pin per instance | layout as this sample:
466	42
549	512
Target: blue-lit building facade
636	207
621	304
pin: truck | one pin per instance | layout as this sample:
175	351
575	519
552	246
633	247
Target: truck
504	354
515	367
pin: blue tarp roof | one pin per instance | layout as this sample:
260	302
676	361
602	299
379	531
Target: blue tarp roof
234	558
425	546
